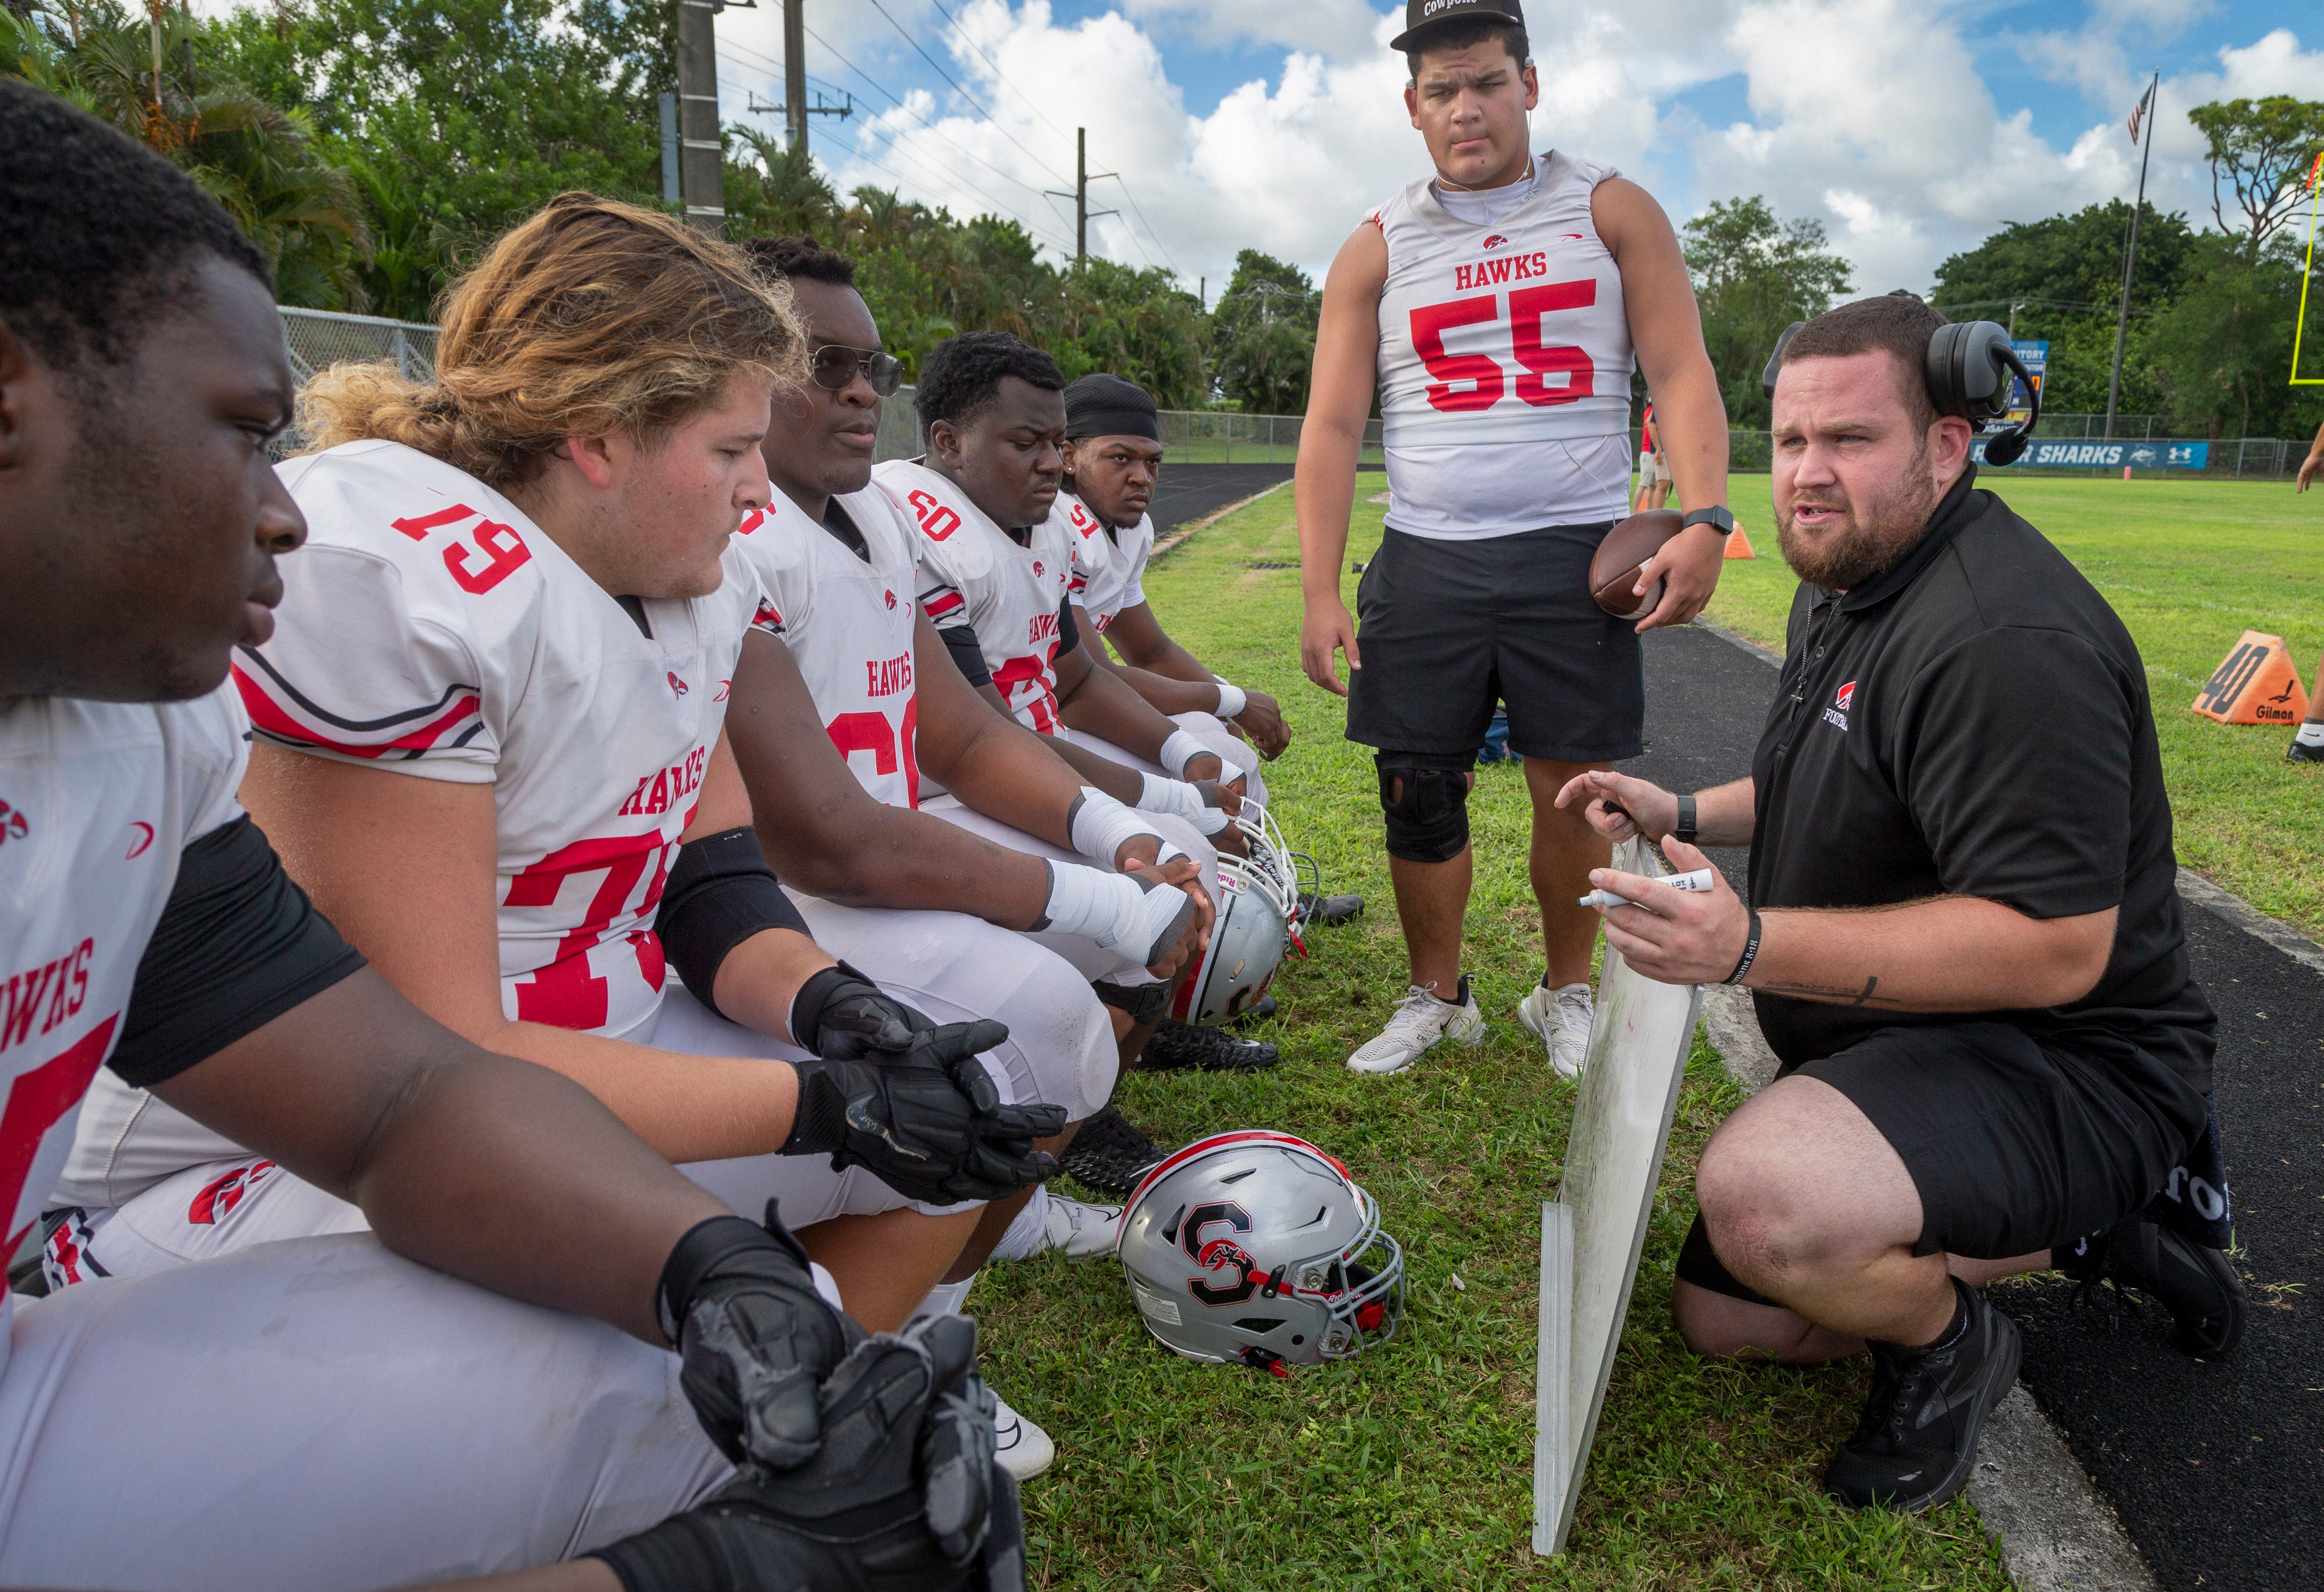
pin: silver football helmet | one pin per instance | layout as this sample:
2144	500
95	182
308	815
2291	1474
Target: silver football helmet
1256	1248
1251	933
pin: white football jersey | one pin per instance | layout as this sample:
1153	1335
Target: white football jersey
429	627
1505	362
849	627
1108	566
97	801
972	573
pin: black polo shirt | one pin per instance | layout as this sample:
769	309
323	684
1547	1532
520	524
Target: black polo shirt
1975	722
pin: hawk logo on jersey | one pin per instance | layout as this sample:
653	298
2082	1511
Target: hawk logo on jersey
676	686
220	1195
891	600
1036	566
13	826
1494	242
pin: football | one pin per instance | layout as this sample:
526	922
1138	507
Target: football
1614	567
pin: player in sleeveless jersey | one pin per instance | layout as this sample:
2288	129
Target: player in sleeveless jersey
1496	307
508	706
351	1412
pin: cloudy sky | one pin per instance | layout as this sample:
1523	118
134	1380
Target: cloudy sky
1909	128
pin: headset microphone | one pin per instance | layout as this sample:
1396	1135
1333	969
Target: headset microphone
1970	363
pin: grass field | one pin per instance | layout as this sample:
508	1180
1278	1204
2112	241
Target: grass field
1411	1467
2189	566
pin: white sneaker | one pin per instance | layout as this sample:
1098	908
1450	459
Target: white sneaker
1051	1221
1418	1024
1560	1018
1024	1450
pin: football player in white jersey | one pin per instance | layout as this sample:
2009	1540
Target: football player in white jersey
357	1411
503	702
997	568
1496	307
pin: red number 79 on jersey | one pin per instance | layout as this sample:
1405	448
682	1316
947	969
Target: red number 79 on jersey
503	550
1527	307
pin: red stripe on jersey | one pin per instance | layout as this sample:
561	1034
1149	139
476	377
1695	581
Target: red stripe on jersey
942	604
271	717
37	1101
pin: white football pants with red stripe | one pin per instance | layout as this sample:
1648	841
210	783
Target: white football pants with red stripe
326	1415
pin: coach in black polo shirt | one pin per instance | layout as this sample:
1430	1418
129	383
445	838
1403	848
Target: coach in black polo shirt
1964	937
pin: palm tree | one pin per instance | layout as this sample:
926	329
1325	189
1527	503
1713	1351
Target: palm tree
262	162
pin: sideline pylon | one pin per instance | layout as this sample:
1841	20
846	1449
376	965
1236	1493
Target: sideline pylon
2258	683
1738	546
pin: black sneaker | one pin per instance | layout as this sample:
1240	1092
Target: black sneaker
1109	1154
1917	1440
1180	1047
2197	1285
1330	910
2299	752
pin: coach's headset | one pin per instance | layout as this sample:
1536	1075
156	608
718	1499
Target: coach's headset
1968	367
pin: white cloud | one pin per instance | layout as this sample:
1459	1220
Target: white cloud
1335	28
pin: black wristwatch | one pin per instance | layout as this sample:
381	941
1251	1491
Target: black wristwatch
1713	516
1684	828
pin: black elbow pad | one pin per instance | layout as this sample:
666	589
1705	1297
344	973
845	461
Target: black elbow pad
720	893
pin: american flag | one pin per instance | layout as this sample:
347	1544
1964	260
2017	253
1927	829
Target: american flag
2138	111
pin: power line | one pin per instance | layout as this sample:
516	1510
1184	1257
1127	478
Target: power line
963	93
1140	212
995	65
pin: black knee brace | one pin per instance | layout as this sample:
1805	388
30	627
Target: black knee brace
1426	795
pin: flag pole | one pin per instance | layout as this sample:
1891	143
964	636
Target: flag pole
2130	258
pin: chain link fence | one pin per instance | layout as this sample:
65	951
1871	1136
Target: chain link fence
317	340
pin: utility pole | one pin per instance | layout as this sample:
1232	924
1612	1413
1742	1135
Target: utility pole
795	72
2130	258
1080	195
701	174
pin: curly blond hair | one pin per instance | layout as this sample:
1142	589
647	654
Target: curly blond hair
592	315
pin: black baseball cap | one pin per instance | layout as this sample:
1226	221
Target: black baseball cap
1420	15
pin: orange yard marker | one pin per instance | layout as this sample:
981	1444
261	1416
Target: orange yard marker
1738	546
2257	684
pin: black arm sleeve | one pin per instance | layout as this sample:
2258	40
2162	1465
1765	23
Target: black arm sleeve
239	945
967	651
1069	634
720	893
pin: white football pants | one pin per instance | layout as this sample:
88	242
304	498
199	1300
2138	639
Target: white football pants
324	1415
1237	754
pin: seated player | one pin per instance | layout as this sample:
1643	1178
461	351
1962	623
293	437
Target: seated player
488	741
1964	937
996	569
1113	457
487	1384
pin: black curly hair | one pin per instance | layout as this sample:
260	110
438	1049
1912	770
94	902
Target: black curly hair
98	235
801	257
962	374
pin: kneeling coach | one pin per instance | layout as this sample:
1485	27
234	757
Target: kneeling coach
1964	938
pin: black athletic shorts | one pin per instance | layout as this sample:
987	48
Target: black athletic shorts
2015	1145
1446	629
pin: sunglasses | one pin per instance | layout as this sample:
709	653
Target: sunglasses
836	366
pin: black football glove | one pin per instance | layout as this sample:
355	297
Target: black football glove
755	1338
903	1493
893	1092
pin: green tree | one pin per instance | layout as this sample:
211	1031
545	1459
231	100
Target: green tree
2059	279
1754	275
2263	148
1263	336
2221	355
261	161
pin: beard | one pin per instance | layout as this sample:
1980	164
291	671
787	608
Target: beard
1871	536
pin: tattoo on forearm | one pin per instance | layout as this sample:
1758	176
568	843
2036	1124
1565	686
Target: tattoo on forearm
1835	994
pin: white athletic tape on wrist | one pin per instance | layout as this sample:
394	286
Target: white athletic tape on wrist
1102	825
1180	750
1115	912
1180	800
1233	699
